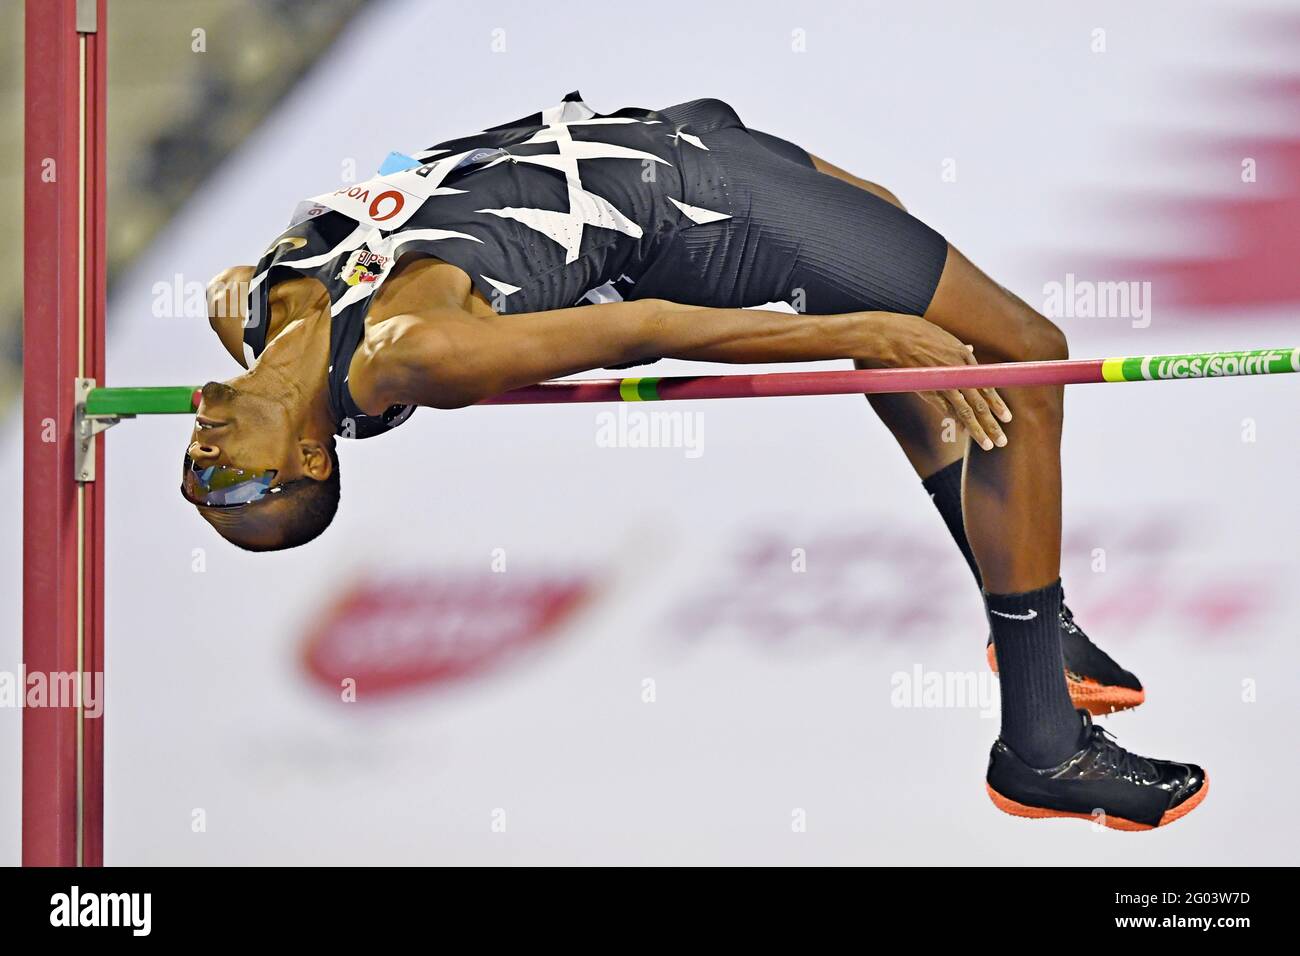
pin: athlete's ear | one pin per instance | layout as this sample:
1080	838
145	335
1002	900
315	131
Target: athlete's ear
316	458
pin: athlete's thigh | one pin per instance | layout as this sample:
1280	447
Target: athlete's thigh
982	313
835	247
862	253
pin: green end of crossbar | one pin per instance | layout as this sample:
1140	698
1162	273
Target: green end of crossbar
170	400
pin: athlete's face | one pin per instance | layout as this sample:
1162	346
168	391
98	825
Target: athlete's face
238	427
244	429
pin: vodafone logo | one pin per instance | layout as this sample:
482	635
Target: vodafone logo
394	634
391	196
375	202
384	206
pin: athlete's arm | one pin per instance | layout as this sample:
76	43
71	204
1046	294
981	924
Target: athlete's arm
452	358
873	339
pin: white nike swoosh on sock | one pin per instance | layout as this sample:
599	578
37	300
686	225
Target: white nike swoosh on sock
1018	617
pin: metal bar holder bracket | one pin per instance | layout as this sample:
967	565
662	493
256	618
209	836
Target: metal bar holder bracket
87	427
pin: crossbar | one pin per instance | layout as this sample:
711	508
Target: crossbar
1137	368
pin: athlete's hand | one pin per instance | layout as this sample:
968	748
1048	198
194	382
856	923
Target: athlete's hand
228	293
912	342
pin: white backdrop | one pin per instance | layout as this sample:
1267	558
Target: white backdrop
775	694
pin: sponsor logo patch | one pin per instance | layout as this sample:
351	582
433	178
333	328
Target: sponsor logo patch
364	268
376	202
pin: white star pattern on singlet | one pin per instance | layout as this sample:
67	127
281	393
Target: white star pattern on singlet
565	228
585	208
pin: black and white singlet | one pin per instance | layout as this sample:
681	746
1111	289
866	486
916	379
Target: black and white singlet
568	206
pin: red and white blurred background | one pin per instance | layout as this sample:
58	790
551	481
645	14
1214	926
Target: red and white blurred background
647	680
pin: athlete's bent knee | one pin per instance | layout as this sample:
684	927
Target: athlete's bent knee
1049	342
1032	339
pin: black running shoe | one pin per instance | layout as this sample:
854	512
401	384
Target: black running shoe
1097	683
1102	782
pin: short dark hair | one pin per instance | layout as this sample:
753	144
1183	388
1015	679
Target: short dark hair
303	510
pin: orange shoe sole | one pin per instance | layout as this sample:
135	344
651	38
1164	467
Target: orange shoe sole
1096	698
1007	805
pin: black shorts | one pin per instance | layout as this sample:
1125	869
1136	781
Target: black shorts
796	235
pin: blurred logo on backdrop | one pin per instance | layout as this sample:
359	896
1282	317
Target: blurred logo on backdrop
888	581
1239	245
896	582
392	633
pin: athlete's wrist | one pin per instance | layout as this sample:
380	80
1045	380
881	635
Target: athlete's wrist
870	337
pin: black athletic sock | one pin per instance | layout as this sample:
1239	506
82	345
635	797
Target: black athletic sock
1038	721
944	487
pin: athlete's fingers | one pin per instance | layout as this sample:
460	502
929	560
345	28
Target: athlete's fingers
991	395
968	419
936	401
999	407
975	398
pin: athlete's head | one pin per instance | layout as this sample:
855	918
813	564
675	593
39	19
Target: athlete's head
256	470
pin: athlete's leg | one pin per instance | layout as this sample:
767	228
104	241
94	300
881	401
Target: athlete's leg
930	441
1002	328
844	250
936	447
1012	494
1011	500
869	253
830	169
